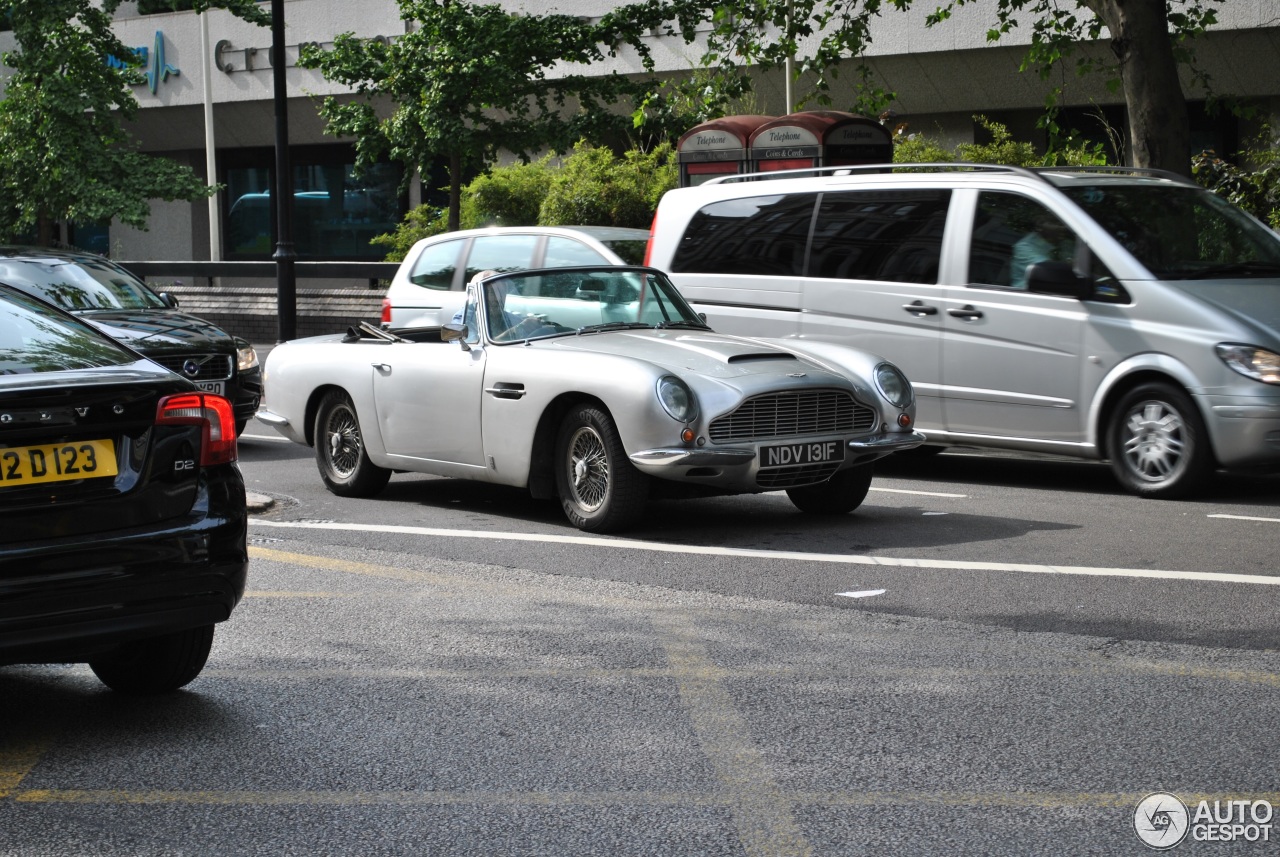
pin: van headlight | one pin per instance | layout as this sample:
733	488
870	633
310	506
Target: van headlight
1256	363
894	386
677	399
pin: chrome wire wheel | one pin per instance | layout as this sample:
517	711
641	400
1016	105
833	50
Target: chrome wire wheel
600	490
341	458
1154	443
588	465
343	441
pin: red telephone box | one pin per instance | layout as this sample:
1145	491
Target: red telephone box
819	138
716	148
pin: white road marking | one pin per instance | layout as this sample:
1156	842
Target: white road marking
919	493
843	559
866	593
1247	518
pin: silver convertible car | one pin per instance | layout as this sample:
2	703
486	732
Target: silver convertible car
598	385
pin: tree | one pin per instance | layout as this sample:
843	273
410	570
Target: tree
64	154
1148	38
469	81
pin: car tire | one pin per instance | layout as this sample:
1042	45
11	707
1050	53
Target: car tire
344	465
600	490
157	664
839	495
1158	443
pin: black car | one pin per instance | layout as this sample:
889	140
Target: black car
123	307
123	527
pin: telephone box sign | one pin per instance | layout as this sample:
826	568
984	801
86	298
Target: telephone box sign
715	148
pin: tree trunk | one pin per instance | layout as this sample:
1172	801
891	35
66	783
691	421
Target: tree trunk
455	191
1159	133
44	230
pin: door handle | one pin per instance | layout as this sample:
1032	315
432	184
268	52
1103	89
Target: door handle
381	367
506	391
918	308
967	312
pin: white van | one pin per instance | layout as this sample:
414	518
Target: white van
1102	313
430	284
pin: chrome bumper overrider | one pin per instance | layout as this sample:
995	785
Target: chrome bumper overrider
265	416
685	457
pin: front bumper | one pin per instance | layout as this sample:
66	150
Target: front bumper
737	469
1244	430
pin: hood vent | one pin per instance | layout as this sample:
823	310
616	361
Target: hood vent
763	356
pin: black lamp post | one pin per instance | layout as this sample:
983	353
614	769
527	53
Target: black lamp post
286	283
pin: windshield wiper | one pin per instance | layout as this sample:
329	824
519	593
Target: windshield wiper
614	325
684	325
1244	269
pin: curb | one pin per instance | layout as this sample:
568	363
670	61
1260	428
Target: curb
258	502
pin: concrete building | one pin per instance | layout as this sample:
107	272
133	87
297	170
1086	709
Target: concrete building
942	77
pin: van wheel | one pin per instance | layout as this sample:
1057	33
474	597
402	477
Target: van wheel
600	490
344	466
157	664
839	495
1158	444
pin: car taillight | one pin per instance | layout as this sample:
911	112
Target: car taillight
215	417
386	311
653	230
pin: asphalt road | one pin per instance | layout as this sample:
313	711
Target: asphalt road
451	669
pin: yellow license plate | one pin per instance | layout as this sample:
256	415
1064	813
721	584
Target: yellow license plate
57	462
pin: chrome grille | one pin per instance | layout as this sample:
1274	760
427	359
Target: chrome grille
793	414
210	367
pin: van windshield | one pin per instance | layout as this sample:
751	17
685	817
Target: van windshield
1182	233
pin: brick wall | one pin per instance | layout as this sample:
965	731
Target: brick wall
250	311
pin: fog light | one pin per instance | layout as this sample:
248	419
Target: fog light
904	420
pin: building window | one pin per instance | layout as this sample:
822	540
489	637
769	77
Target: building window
335	213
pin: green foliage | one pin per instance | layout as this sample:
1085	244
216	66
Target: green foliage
1255	187
470	81
64	154
594	187
591	187
1002	149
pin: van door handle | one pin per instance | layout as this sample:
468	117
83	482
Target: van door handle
966	312
918	308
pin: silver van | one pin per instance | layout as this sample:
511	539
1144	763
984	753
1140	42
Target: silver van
1102	313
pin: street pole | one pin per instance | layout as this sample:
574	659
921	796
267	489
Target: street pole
210	149
286	283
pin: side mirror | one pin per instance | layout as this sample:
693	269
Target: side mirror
1058	278
169	300
455	333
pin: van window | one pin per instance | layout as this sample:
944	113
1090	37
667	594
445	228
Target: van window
888	235
501	253
1012	232
436	266
757	235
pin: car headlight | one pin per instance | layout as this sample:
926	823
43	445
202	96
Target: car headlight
677	399
246	357
894	386
1256	363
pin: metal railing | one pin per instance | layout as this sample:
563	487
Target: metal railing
370	271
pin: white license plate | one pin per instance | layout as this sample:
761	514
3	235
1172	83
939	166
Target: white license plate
218	387
789	454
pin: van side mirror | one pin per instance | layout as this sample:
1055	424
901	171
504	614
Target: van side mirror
1058	278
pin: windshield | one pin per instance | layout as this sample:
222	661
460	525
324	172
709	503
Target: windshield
79	285
536	304
35	338
1181	233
